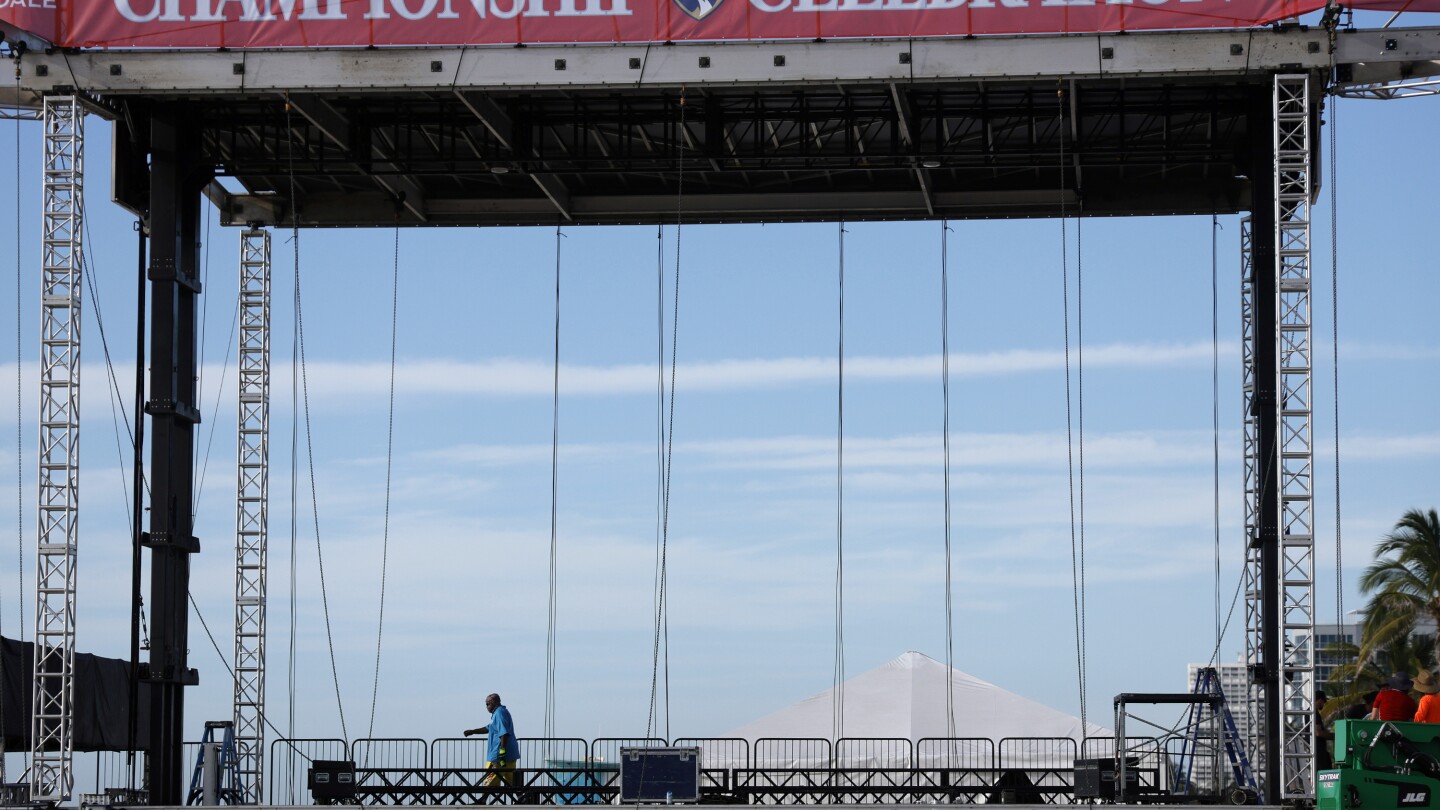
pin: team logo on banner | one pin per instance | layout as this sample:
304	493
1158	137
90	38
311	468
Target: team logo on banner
699	9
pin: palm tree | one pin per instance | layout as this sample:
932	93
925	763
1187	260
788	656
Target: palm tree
1404	583
1350	681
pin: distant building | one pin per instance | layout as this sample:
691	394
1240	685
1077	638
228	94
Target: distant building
1326	636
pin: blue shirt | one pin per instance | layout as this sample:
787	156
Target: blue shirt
501	726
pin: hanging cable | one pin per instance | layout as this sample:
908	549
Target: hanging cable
1215	404
1069	434
137	475
19	421
659	443
554	507
945	440
1080	412
19	388
837	695
204	462
1335	357
315	501
389	467
225	662
200	364
662	613
291	681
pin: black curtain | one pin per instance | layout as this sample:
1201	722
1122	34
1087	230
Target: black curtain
101	702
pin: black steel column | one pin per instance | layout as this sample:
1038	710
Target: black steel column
176	180
1261	123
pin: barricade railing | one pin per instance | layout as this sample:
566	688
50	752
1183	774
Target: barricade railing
290	761
719	757
792	753
874	752
390	752
393	763
960	770
963	767
1041	769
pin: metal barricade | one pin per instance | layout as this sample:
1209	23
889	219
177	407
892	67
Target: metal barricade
960	769
391	770
605	756
290	761
873	752
1037	768
719	758
786	770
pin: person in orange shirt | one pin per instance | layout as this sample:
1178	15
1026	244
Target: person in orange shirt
1429	710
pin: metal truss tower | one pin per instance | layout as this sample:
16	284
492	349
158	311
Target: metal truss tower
1296	622
252	507
51	743
1253	576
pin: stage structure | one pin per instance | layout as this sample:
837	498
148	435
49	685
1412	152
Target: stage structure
1099	124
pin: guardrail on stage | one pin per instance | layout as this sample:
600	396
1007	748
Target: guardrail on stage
852	770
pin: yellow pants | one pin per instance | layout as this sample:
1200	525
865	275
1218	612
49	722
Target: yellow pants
500	773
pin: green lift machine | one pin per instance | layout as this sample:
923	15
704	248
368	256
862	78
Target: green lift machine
1382	765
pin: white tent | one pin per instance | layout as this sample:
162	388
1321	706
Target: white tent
905	699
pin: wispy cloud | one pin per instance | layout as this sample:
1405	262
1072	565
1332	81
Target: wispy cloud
516	377
1371	447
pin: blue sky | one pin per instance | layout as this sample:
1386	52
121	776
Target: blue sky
753	508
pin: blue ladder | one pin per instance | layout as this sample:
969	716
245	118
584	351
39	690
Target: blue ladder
1207	683
228	791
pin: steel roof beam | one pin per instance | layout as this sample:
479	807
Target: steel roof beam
336	127
502	127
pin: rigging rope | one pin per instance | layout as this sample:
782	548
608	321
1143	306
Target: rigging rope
314	501
233	676
113	390
662	613
1335	353
1215	404
291	680
298	352
19	388
659	445
215	411
137	478
200	364
19	419
945	393
1080	410
550	632
1075	563
837	695
389	466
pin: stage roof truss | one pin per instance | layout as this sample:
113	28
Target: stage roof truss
1150	123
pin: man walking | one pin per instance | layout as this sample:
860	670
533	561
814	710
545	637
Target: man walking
502	749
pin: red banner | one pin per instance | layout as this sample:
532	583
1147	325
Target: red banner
321	23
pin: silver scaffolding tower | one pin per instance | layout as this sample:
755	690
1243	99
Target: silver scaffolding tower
51	744
1296	622
1278	475
252	506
